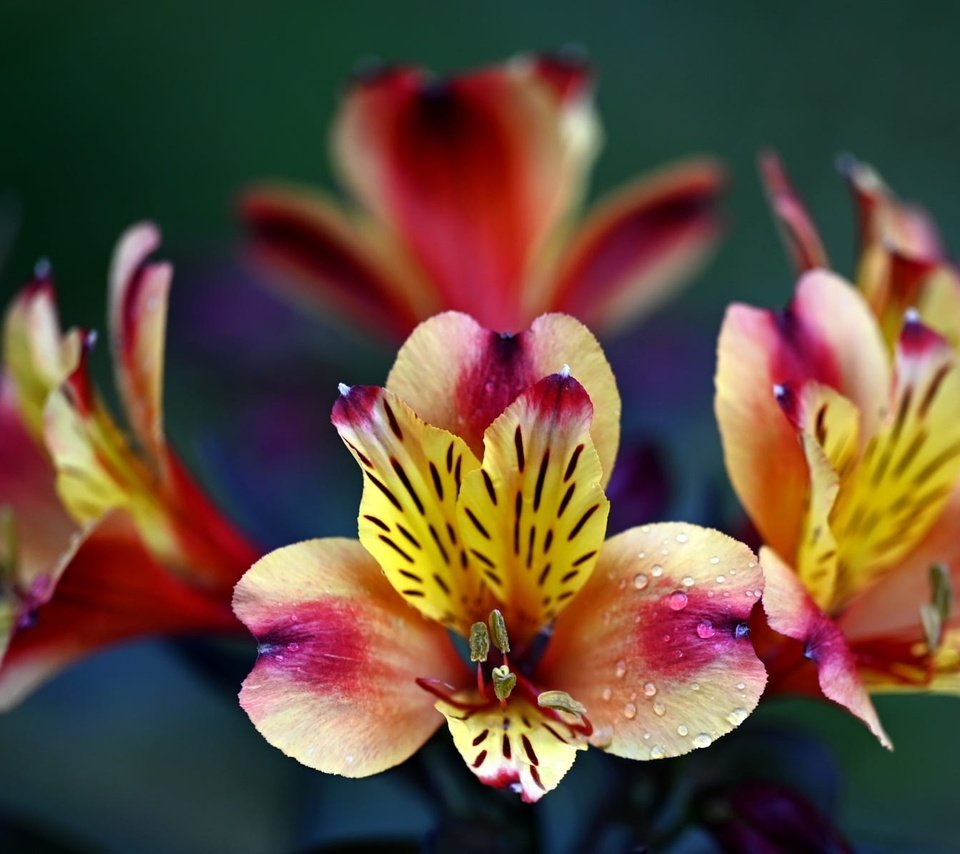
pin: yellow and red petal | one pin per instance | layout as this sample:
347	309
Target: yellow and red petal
939	304
459	376
791	612
639	246
826	334
470	171
334	685
137	317
534	516
324	260
518	745
909	469
412	474
796	227
111	590
656	644
37	356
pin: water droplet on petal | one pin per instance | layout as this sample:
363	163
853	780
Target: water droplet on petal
702	740
737	716
682	538
640	581
656	752
622	584
741	686
607	694
694	686
687	581
646	736
659	709
630	711
649	689
293	646
721	579
657	570
714	560
621	669
682	730
677	600
641	555
705	630
741	631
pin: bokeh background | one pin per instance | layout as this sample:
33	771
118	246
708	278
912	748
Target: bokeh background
115	112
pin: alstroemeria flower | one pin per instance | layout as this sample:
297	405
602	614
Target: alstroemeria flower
101	538
483	515
901	263
465	191
846	464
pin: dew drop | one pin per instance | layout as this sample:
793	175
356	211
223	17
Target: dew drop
742	630
622	583
657	570
621	669
641	555
702	740
710	594
293	646
630	711
649	689
646	736
682	538
677	600
640	581
607	694
679	653
659	709
349	757
705	630
682	730
721	579
694	686
737	716
656	752
733	572
602	737
687	581
714	560
741	686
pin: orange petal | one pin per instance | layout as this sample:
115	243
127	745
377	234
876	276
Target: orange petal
639	246
339	652
656	644
471	171
137	318
796	227
324	260
791	612
110	590
826	334
459	376
534	516
517	746
408	522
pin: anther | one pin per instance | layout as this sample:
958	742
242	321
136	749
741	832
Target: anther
503	682
561	701
479	642
498	631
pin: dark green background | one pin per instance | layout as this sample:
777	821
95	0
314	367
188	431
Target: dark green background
113	112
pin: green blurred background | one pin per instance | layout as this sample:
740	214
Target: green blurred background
114	112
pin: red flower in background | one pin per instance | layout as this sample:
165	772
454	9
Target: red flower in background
466	192
103	537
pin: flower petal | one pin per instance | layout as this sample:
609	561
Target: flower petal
459	376
796	227
791	612
939	304
137	317
408	522
910	467
36	355
110	590
639	246
323	259
470	171
826	334
518	745
533	517
656	644
339	652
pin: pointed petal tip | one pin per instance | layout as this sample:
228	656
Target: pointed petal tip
344	389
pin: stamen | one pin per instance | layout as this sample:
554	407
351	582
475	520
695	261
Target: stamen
935	614
561	701
503	682
479	642
498	630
